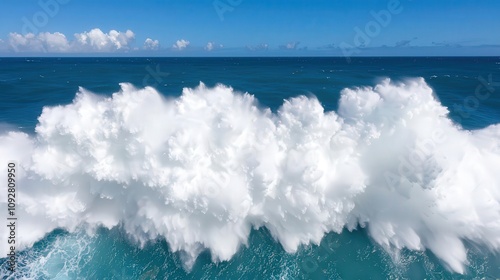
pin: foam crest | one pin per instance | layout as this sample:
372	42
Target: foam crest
202	170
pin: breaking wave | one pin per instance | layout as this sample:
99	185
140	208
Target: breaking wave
202	170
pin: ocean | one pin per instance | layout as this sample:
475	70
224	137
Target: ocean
251	168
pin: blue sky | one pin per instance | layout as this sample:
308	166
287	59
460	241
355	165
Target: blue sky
249	27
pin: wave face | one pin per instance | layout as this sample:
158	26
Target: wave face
202	170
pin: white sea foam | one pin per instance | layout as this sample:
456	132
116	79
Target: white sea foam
203	169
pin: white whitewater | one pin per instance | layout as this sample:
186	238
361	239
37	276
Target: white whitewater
203	169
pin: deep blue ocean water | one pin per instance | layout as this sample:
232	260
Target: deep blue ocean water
29	84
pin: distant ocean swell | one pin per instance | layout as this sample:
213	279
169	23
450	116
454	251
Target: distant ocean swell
202	170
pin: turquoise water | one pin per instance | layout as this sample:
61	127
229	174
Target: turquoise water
28	85
38	82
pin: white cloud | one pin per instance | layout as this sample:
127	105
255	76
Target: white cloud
96	40
92	41
43	42
180	44
54	42
290	46
211	46
151	44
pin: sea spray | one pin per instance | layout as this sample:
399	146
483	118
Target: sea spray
202	170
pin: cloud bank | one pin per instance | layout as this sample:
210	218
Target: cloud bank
94	40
